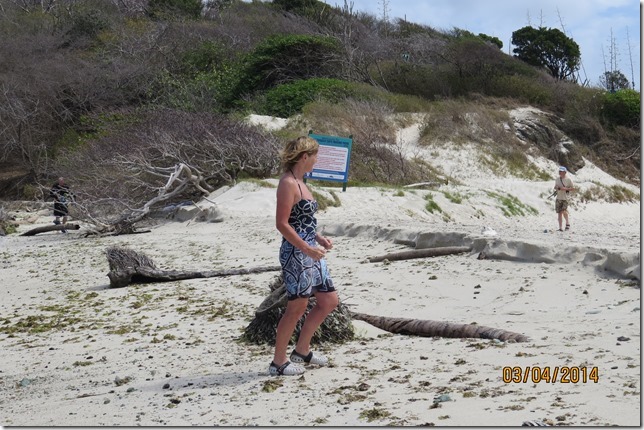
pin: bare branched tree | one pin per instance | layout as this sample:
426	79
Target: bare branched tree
166	156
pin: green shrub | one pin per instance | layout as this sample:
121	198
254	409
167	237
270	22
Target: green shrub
621	108
286	58
289	99
203	58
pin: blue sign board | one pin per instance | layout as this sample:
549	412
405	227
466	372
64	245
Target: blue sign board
333	159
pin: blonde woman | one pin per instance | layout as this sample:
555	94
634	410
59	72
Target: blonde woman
302	258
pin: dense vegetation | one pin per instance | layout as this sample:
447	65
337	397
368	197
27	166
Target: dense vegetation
111	92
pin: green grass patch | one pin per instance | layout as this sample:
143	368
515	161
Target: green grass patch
454	198
325	202
512	206
610	194
431	206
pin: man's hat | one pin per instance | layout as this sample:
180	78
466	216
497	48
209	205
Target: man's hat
563	169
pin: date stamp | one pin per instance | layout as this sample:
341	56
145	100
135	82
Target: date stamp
550	374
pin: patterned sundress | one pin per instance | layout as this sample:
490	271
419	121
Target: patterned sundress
302	274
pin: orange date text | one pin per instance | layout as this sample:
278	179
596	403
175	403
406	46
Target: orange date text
550	374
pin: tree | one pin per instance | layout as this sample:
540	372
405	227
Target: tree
614	81
465	34
493	40
549	48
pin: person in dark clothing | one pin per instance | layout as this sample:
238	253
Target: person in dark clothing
62	196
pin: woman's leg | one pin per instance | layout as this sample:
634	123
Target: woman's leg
294	311
326	302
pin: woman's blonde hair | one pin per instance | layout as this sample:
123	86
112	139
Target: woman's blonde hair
294	149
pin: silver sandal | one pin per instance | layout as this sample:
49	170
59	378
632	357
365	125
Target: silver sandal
286	369
311	358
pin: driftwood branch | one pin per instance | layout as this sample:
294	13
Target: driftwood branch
427	184
428	328
129	267
421	253
46	228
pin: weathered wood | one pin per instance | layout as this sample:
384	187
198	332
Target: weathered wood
46	228
421	253
129	267
428	328
427	184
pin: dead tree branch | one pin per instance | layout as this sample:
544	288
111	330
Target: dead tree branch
128	266
47	228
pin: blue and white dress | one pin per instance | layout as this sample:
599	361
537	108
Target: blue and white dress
302	274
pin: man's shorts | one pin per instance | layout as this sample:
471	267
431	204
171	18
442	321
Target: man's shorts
60	209
561	205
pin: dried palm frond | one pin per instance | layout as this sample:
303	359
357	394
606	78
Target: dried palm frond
336	327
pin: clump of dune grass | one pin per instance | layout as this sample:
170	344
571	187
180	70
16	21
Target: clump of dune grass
512	206
431	206
610	194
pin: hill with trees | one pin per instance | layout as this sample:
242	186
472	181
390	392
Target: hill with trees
121	96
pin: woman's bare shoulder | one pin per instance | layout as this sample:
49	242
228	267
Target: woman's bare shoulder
287	184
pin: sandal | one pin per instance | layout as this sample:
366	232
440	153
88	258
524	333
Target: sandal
560	230
567	226
311	358
286	369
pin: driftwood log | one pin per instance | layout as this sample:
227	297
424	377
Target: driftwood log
421	253
428	328
129	267
46	228
337	327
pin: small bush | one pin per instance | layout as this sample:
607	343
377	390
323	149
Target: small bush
289	99
621	108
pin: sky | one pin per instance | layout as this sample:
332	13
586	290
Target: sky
587	22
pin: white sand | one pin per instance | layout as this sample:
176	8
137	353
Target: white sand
571	292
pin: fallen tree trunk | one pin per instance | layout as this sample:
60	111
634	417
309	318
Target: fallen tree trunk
428	328
46	228
128	266
421	253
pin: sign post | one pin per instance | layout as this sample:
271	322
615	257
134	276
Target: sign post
333	159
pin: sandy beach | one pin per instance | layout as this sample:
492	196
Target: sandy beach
78	353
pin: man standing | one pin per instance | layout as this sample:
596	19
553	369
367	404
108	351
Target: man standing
563	186
62	196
